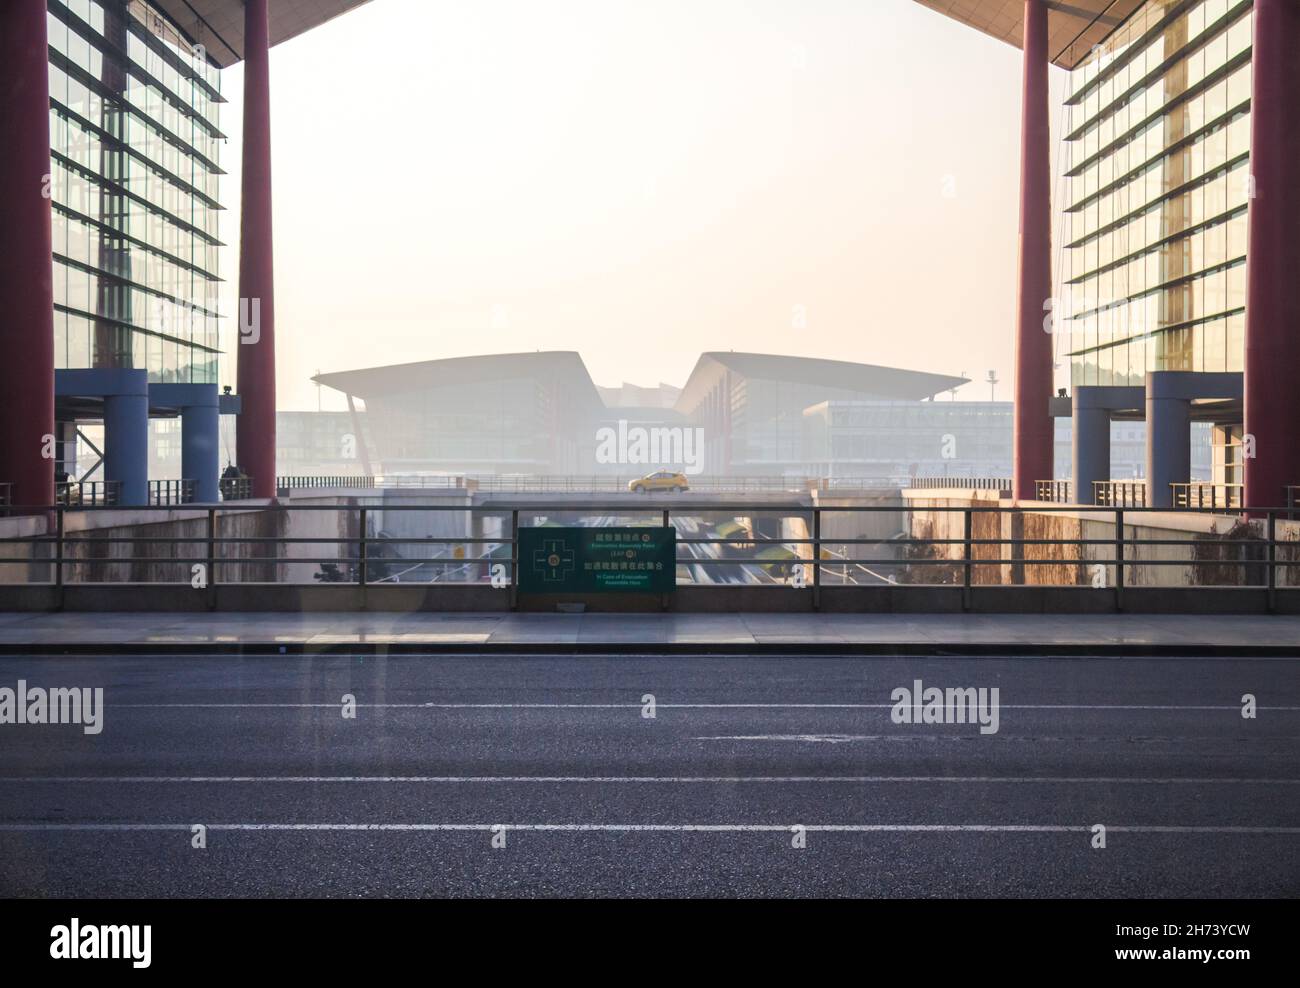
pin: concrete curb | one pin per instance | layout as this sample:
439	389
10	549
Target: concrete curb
702	649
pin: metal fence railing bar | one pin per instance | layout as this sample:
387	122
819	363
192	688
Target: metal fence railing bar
325	482
88	493
1120	493
999	484
1054	491
171	491
589	483
724	544
1201	496
235	488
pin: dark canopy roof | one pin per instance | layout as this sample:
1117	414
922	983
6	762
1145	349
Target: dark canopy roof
565	366
870	379
219	24
1073	26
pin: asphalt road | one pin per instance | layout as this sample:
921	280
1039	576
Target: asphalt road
597	799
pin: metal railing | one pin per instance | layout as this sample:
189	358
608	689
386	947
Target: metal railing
6	497
1206	496
88	493
235	488
605	484
171	491
425	481
1054	491
608	484
725	545
1000	484
324	482
1120	493
1195	495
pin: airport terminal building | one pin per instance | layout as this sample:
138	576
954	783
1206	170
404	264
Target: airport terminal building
135	144
1180	162
756	416
111	116
737	415
1164	272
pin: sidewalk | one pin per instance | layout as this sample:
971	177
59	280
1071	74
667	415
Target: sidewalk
974	634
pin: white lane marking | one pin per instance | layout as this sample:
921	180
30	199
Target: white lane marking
656	827
906	738
645	779
341	657
808	738
670	706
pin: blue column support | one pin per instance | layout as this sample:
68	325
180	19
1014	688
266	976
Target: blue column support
199	406
1169	447
1093	408
1169	396
124	392
126	445
1091	444
200	459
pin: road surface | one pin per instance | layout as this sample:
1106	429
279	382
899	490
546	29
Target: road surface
596	797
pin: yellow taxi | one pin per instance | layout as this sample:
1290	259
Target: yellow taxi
660	480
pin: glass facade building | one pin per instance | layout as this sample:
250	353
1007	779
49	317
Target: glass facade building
893	441
1156	187
134	183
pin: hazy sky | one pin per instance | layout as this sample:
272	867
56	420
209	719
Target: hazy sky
639	180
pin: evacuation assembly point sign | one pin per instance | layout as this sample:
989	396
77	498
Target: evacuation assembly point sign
592	560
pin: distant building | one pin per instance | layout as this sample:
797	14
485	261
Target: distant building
634	396
332	444
751	405
899	440
540	413
313	444
895	440
512	413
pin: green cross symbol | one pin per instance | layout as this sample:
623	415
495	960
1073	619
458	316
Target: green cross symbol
553	561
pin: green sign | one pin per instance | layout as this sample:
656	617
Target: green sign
595	560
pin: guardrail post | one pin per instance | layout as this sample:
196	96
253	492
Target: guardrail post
663	597
968	531
58	553
1272	562
361	553
514	559
212	559
817	558
1119	559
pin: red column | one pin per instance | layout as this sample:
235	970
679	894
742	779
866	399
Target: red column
1033	439
26	265
1273	257
255	431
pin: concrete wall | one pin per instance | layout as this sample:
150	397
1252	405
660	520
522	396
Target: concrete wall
389	598
408	524
1211	560
94	552
23	527
1060	575
883	525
